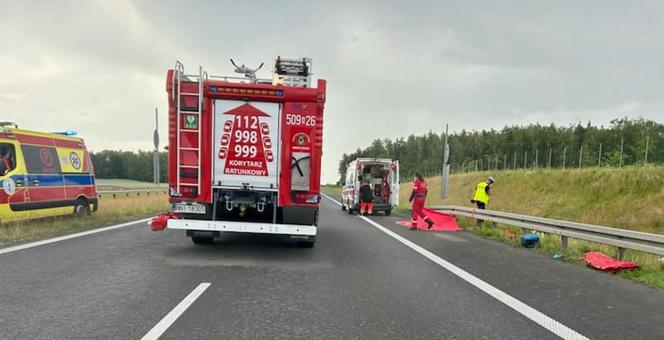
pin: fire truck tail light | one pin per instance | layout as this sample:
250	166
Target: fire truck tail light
265	129
306	198
188	191
222	153
224	139
269	156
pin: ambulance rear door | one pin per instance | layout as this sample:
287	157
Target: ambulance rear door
394	183
246	144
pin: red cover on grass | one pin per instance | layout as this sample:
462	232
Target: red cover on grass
601	261
441	221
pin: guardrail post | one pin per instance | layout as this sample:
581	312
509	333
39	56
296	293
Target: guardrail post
621	253
564	242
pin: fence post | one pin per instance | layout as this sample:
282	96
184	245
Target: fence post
647	142
599	158
622	142
581	156
525	159
505	163
564	242
514	160
548	163
621	253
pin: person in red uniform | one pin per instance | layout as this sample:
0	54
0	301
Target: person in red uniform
417	197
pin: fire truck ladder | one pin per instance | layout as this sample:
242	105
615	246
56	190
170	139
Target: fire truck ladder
188	124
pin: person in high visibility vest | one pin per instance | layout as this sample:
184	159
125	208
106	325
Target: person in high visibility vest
417	197
482	194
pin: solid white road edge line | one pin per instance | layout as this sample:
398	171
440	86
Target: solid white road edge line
536	316
174	314
67	237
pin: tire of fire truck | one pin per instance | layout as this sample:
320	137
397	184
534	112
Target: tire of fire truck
81	207
388	212
343	206
308	243
202	240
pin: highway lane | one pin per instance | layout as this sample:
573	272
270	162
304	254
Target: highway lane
356	283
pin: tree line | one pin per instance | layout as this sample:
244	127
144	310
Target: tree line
128	165
624	142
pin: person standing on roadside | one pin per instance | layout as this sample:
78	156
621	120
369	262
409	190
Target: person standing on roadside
482	194
366	199
417	197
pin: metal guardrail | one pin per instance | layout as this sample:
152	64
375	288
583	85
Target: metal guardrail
621	238
127	193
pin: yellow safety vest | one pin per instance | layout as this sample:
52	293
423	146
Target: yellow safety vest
480	193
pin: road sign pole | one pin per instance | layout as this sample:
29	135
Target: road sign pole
446	167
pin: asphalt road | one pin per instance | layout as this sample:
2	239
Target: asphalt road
358	282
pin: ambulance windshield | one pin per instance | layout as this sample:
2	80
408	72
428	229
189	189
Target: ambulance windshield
7	158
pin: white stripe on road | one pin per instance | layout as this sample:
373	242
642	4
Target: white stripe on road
522	308
174	314
67	237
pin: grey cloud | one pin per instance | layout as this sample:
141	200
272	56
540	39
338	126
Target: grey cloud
394	68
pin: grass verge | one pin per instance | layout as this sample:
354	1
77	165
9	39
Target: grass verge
650	272
111	211
332	191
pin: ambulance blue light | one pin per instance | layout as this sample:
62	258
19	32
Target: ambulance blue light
68	133
279	93
213	89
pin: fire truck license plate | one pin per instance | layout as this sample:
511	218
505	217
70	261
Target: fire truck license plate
188	208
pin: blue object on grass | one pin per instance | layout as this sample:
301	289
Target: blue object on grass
529	240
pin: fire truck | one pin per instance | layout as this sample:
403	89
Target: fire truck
244	153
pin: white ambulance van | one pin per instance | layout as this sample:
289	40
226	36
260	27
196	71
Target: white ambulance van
382	174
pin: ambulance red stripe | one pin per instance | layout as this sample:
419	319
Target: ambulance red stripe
47	141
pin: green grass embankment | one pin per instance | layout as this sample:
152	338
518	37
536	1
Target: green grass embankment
629	198
111	211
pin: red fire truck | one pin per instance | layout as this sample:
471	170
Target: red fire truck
244	153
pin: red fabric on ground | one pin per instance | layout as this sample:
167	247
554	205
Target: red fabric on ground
441	221
159	222
601	261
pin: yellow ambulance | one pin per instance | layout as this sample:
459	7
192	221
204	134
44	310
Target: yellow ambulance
44	174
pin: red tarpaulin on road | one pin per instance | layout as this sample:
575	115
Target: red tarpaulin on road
601	261
441	221
159	222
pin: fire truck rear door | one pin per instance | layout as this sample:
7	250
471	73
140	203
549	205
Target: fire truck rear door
394	192
246	144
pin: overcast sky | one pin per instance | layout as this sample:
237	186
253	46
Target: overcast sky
393	69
